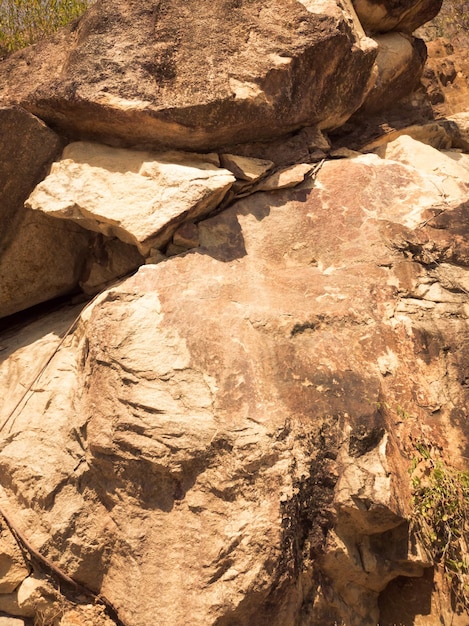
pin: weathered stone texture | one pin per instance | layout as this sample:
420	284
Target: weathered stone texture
138	197
224	437
40	258
224	442
400	63
196	74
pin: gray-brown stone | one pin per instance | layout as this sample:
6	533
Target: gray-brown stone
400	63
39	257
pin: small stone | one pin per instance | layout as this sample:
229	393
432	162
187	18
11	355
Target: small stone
245	168
155	256
286	177
344	153
174	250
35	594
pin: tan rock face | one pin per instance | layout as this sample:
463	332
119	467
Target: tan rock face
196	74
445	77
384	15
13	569
226	440
448	170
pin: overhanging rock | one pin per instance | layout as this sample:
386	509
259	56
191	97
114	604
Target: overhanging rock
196	74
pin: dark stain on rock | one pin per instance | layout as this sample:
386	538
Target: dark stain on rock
364	439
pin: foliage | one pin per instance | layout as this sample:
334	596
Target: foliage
23	22
441	517
452	22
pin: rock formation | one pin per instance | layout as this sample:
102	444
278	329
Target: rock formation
257	331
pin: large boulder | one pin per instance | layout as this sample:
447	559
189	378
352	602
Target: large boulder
400	62
379	16
225	437
196	74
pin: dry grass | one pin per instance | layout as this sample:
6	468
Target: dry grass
22	22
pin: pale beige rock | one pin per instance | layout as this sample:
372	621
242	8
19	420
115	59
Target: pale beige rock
245	168
448	175
462	123
386	15
433	134
286	177
11	621
36	597
138	197
13	569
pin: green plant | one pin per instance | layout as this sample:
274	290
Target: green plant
441	517
22	22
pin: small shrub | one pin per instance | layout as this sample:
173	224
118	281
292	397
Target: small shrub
22	22
451	22
441	518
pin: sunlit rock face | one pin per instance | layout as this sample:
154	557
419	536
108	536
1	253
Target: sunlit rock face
226	435
380	16
215	425
198	74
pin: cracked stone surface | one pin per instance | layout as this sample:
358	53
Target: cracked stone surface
225	436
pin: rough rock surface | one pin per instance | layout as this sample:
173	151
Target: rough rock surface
225	436
33	268
138	197
446	77
225	432
380	16
137	71
400	63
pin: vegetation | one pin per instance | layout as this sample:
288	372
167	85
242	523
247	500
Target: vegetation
441	518
451	22
23	22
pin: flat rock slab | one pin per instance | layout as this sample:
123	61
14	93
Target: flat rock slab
447	169
195	74
138	197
